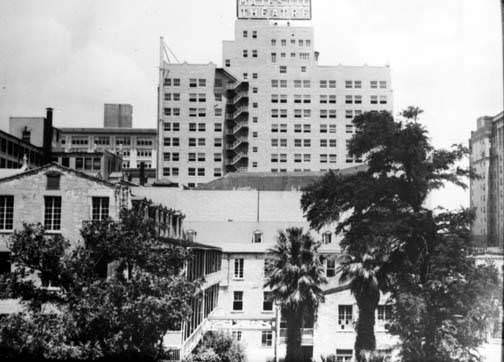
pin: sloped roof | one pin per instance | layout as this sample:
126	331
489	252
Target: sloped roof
34	171
269	181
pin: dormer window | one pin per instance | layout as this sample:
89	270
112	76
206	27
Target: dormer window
257	237
327	237
53	180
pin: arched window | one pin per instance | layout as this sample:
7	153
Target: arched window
191	235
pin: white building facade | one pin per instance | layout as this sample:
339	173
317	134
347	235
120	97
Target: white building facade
280	112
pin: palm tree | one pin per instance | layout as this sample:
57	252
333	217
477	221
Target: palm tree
295	277
366	277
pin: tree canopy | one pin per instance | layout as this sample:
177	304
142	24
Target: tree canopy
77	312
390	237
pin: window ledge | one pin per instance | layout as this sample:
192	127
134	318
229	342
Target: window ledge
6	231
237	312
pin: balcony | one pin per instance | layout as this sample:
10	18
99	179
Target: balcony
306	336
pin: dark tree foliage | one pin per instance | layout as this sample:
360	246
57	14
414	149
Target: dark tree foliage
295	276
77	312
388	233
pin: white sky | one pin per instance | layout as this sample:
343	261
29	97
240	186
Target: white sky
75	55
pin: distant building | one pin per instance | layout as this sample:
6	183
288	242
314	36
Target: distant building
134	145
13	150
118	116
487	191
281	111
37	131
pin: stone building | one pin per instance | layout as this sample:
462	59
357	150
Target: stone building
242	215
487	191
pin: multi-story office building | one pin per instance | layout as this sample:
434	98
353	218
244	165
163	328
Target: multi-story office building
192	114
487	191
292	115
134	145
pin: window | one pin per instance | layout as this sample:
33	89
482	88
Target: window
274	142
283	83
52	212
332	84
237	335
100	208
283	69
284	42
237	301
344	316
384	313
374	84
330	268
202	82
245	53
238	268
228	63
344	355
53	181
254	53
254	90
348	84
273	57
266	338
383	84
217	172
374	99
297	157
201	157
257	237
201	127
273	42
307	157
348	99
245	33
193	83
217	157
254	34
201	141
5	264
383	99
323	84
218	127
254	76
6	212
357	84
267	301
327	237
201	172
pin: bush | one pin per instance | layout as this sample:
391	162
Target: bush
218	347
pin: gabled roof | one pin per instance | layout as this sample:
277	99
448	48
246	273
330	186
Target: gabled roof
37	170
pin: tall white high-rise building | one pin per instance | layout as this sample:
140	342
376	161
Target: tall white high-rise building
276	109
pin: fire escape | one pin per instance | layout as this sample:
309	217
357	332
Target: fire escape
237	128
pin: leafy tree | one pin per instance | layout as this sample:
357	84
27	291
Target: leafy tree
218	347
89	315
295	277
380	211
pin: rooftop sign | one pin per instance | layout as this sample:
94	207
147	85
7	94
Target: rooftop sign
274	9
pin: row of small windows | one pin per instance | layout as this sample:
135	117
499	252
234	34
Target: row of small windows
300	42
193	112
306	157
193	127
293	55
193	82
192	142
282	83
323	113
191	171
306	128
324	142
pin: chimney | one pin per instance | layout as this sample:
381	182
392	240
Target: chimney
142	174
47	136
